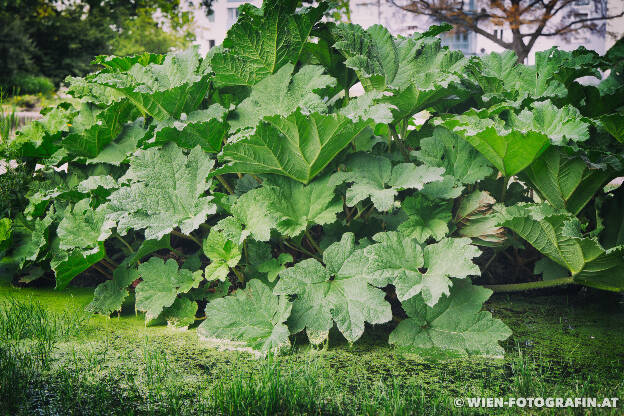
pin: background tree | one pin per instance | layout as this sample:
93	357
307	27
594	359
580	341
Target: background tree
56	38
528	19
144	34
338	10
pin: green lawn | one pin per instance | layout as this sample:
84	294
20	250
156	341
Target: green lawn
56	359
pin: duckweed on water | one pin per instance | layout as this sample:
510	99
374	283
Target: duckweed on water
563	346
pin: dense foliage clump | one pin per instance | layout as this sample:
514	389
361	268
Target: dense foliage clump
250	184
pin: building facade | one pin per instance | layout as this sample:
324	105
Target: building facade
211	30
399	22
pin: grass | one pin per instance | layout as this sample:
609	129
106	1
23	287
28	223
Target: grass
8	121
29	319
65	362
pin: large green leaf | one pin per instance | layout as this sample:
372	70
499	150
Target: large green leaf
6	232
223	253
458	158
165	189
613	219
605	272
614	124
426	218
322	52
375	177
281	94
94	128
566	66
298	146
204	128
502	78
429	75
264	40
564	180
369	106
29	238
252	210
162	282
40	138
513	145
371	53
126	143
496	74
399	260
294	206
557	235
166	90
69	264
456	323
549	231
250	318
83	227
181	314
148	247
337	292
124	63
109	296
562	125
274	266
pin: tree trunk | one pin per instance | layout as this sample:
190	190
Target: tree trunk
518	46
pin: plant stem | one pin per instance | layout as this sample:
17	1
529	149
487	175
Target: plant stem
225	184
302	250
312	242
393	135
504	189
519	287
108	276
124	242
359	214
188	237
403	134
238	274
107	265
111	261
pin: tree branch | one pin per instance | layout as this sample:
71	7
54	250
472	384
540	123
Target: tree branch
590	19
457	17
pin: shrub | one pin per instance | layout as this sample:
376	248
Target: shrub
249	181
32	84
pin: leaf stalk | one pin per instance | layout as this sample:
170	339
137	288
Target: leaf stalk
187	237
225	184
520	287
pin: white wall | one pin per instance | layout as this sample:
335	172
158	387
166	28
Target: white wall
399	22
215	27
369	12
615	26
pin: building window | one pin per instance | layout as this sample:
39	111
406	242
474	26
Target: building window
211	43
581	16
581	2
232	16
498	34
461	37
211	17
458	39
